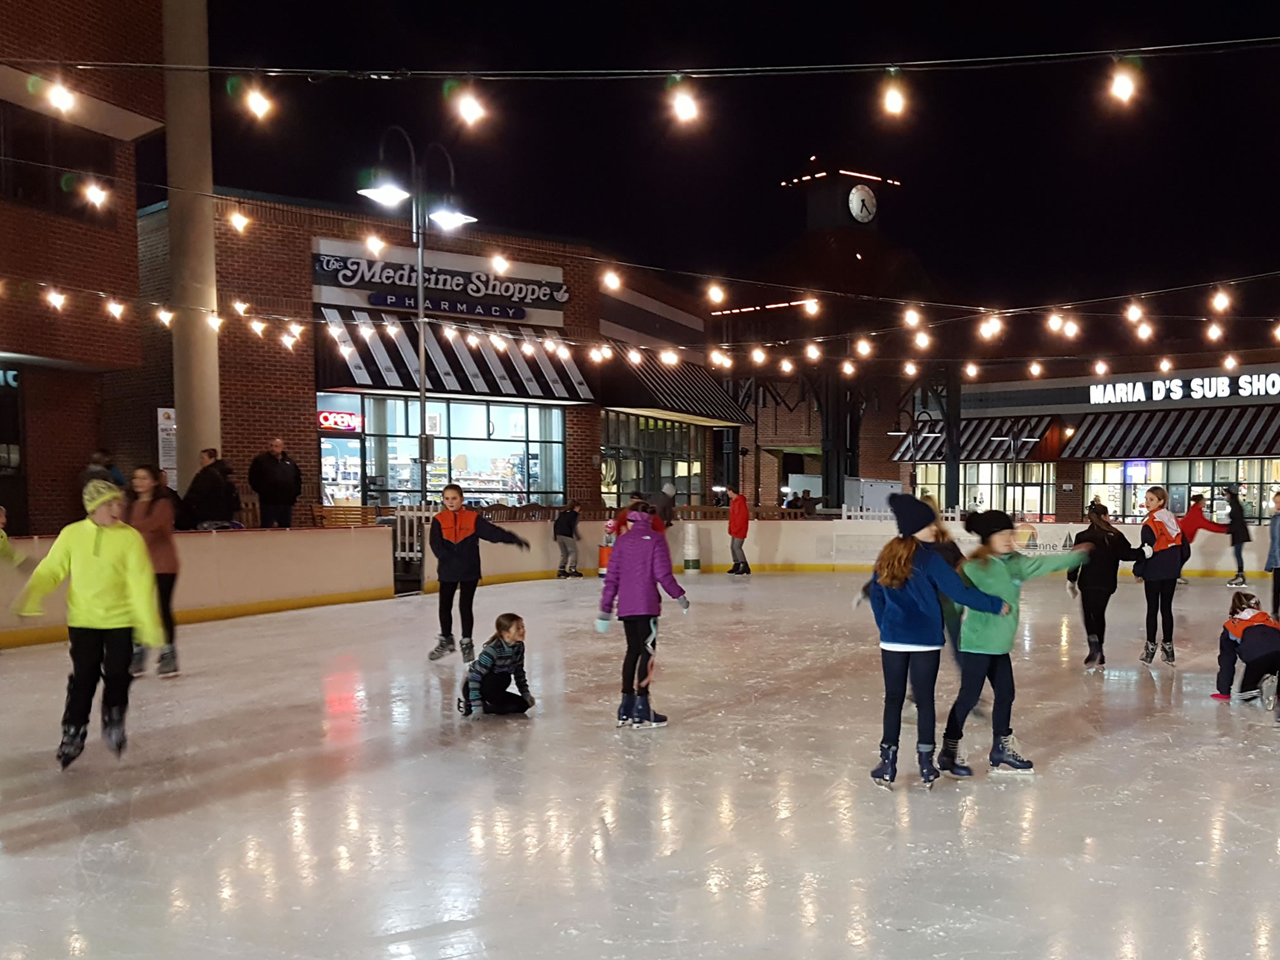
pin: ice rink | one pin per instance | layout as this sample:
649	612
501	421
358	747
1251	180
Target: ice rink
306	789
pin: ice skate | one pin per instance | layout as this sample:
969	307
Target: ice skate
1095	653
1005	757
1268	690
113	730
733	571
951	762
1237	581
167	664
468	650
573	573
1166	652
445	646
562	574
887	771
1183	581
643	716
626	708
1148	652
72	744
928	772
745	571
138	665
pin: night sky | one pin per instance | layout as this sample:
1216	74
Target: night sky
1021	185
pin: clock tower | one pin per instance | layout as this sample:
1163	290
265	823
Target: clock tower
839	200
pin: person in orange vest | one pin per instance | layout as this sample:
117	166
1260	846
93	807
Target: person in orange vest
739	524
1254	637
1159	572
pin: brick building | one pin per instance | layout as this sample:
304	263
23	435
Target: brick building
515	418
55	238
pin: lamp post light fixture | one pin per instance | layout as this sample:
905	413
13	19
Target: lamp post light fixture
386	191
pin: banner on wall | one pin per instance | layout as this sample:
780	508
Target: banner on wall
167	443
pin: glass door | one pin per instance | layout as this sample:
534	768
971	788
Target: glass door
341	470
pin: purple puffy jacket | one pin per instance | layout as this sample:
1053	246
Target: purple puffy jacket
639	562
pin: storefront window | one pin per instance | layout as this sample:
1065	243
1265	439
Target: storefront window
1183	479
645	453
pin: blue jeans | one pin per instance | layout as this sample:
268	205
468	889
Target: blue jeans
1239	549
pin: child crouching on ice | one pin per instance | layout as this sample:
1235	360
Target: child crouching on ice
986	641
1254	637
485	690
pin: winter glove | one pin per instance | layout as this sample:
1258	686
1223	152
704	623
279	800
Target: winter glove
1147	551
1073	590
602	622
530	699
1221	696
522	543
684	604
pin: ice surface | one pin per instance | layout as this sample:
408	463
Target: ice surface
306	789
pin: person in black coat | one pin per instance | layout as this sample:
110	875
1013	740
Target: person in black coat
1238	530
1096	581
565	530
1254	637
277	481
212	497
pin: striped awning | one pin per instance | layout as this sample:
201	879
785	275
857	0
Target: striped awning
981	438
686	388
1189	432
387	358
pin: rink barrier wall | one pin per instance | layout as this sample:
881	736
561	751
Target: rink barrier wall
235	574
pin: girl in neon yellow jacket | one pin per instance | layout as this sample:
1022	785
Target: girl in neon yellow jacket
111	601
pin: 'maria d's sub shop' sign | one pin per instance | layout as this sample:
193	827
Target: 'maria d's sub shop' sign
1245	385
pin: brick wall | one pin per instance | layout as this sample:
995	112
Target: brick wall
1070	503
61	425
779	427
875	446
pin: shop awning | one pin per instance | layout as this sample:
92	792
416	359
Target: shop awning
1190	432
686	388
981	438
387	358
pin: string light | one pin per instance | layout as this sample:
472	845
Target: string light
333	332
1070	329
717	357
971	369
910	369
214	321
607	351
728	363
894	101
1069	432
1144	331
1055	323
288	341
1229	362
922	340
345	350
634	356
563	352
470	109
1165	365
669	357
1275	330
366	330
473	340
115	309
500	264
811	307
1221	301
239	221
1035	369
498	343
1134	313
240	307
684	106
295	329
258	327
450	332
612	281
1122	85
786	366
61	98
1100	368
812	351
258	103
374	244
863	347
394	331
990	327
164	316
95	194
715	294
595	355
1214	332
757	355
847	368
911	318
55	299
526	348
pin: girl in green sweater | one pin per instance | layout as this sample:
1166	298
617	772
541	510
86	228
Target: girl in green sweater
996	568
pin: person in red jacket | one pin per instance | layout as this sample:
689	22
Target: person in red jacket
1195	521
739	523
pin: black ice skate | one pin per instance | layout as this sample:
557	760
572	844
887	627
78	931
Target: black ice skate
468	650
745	571
113	729
562	574
573	573
928	772
1166	652
1005	757
138	666
1095	653
887	771
734	570
445	646
1268	691
167	665
72	744
626	708
951	762
643	716
1148	652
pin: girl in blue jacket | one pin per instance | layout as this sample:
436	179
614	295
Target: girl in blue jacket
905	600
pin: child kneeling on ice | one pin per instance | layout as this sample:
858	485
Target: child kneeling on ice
485	690
985	640
640	562
1254	637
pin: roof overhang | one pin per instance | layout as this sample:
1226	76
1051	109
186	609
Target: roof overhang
89	112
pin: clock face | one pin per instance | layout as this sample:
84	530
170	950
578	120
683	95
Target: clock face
862	203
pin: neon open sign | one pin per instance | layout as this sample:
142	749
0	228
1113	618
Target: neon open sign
338	420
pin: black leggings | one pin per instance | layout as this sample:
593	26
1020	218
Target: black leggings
466	597
975	670
922	667
495	697
642	645
1275	592
1160	599
1265	665
94	654
164	586
1094	604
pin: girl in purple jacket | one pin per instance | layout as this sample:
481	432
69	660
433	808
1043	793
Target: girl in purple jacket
640	562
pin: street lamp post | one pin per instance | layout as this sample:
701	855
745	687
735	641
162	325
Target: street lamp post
385	191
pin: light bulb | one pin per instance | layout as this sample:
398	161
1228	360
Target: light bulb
473	340
1122	86
595	354
55	299
1214	332
971	369
812	351
450	332
1275	330
334	332
669	357
717	357
61	98
563	352
164	316
1070	329
1144	331
345	351
612	281
922	339
757	355
1069	432
1165	365
1035	369
1055	323
240	307
715	294
685	107
500	265
1100	367
910	369
1221	301
911	318
366	330
1229	363
374	244
214	321
990	327
257	103
470	109
634	356
811	307
498	343
607	351
115	309
787	366
288	341
95	194
239	221
296	329
894	101
847	368
863	347
1134	313
258	327
526	348
728	363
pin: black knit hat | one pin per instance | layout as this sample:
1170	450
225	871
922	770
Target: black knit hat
912	515
988	523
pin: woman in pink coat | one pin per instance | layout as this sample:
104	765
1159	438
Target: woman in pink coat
641	561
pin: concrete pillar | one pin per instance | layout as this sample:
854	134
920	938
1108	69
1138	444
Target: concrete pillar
196	392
